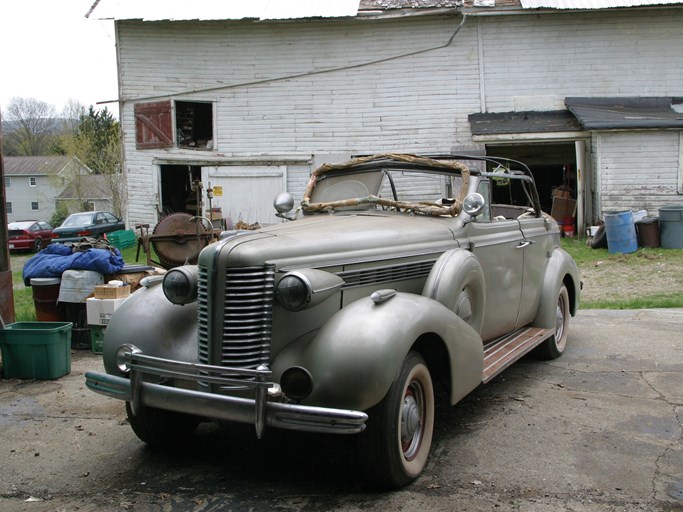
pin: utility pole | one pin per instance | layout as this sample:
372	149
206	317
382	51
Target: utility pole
6	291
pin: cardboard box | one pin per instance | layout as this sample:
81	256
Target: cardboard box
212	215
111	292
561	192
562	208
99	311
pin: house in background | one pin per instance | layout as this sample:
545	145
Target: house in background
91	192
33	184
251	96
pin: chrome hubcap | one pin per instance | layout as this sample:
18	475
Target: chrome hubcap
411	421
464	308
559	323
559	319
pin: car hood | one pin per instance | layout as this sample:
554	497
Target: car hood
335	239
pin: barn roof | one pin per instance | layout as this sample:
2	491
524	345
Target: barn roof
263	10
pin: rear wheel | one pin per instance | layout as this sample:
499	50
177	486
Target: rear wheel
159	428
553	347
395	445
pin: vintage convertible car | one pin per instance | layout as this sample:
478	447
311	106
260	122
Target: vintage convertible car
396	273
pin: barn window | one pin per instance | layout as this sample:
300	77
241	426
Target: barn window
153	126
194	124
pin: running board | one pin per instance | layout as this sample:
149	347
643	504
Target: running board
502	352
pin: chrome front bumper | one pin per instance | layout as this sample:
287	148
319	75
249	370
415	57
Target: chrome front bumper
259	411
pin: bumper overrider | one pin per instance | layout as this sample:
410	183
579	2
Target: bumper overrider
260	411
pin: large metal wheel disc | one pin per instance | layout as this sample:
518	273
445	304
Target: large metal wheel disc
178	240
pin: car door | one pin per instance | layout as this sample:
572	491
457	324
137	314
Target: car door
99	224
536	235
45	230
113	222
498	245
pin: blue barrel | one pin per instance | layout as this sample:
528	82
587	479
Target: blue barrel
671	226
621	232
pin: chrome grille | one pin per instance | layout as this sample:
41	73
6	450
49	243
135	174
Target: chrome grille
203	316
247	307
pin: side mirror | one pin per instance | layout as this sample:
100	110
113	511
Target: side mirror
473	204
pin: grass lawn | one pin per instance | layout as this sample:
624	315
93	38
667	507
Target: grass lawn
647	278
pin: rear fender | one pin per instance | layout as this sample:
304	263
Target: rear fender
561	270
355	357
154	325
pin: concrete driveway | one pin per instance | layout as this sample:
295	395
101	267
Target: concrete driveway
598	429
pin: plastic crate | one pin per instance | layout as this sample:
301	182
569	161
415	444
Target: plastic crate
97	338
122	239
36	350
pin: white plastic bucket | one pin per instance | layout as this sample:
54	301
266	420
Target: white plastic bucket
78	285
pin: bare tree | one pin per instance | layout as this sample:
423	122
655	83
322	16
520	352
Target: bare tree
33	126
71	117
96	142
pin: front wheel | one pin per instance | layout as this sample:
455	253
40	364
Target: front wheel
395	445
159	428
553	347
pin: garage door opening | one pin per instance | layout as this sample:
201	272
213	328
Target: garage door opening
177	195
553	166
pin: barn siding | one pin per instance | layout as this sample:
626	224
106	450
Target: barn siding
418	103
414	104
639	170
548	57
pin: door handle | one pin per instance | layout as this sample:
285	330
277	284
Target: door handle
524	244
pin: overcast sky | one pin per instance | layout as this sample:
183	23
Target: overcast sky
50	51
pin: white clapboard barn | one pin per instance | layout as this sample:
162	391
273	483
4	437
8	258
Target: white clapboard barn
251	95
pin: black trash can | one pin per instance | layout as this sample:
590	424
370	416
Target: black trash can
648	232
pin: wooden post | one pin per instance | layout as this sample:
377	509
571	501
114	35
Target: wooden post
6	291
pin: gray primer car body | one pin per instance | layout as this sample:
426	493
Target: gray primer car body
341	319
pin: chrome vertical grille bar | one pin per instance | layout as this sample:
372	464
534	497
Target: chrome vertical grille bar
246	307
203	316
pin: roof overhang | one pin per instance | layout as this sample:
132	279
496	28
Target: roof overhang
593	4
627	113
206	10
525	126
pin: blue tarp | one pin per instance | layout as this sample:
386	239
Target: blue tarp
56	258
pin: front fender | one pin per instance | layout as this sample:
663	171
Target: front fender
356	355
153	324
561	269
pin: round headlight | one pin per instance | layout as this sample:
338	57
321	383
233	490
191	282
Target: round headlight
180	284
121	356
296	383
293	292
